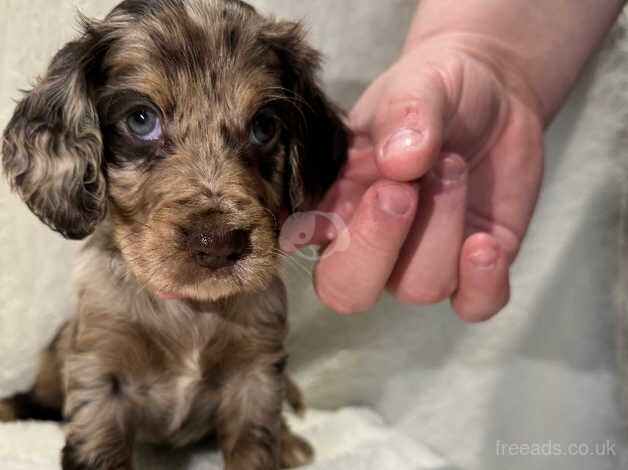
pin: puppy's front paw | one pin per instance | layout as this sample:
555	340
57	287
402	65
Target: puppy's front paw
70	461
295	451
7	411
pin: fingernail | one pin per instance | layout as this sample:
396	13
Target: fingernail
402	141
393	200
450	168
485	258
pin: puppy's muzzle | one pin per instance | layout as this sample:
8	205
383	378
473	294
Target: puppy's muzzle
214	249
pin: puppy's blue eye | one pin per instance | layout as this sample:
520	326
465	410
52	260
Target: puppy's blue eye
264	128
145	124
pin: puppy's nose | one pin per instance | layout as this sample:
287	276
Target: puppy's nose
214	250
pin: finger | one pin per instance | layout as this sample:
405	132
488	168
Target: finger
504	186
320	227
350	279
483	287
427	270
316	227
361	165
406	122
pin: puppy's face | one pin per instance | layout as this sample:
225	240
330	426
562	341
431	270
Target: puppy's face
189	125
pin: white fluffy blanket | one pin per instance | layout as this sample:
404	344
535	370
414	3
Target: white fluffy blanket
348	438
404	388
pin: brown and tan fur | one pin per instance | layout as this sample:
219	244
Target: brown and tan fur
172	345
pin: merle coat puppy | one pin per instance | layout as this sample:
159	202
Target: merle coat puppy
171	135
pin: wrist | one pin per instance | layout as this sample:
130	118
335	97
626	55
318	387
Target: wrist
547	41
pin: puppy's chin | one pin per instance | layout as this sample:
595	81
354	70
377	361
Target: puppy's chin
247	276
187	280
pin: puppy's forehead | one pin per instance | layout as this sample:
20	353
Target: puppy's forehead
175	49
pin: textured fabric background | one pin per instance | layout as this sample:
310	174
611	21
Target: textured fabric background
398	381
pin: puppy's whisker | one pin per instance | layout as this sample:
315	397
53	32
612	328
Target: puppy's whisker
273	215
292	259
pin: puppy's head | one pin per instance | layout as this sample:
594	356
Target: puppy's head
188	126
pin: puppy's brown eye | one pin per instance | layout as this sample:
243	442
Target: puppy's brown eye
264	128
145	124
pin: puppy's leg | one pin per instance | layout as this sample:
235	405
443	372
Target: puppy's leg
99	428
97	433
24	406
45	400
74	458
7	410
295	451
249	426
294	397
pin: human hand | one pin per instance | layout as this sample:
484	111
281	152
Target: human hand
454	114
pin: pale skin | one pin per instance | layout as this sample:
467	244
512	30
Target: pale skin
447	162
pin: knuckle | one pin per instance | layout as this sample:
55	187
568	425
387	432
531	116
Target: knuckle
378	240
367	242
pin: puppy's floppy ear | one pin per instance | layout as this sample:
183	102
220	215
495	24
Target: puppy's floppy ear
319	151
52	147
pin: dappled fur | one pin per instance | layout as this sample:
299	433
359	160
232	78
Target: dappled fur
209	362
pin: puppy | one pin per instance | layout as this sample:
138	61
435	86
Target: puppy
173	134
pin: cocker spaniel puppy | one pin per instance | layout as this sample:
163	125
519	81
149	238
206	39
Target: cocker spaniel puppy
172	134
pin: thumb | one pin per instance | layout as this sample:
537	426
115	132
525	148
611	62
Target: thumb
404	114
